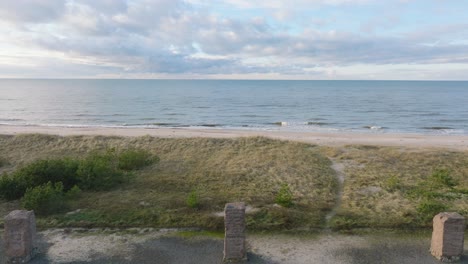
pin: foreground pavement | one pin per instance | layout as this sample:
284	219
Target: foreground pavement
173	246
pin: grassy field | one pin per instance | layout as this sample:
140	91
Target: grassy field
194	178
217	171
396	187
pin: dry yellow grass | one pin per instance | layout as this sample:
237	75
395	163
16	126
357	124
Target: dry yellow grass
380	189
219	170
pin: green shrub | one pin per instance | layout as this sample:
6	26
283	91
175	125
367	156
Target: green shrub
284	196
193	200
41	172
135	159
74	192
427	209
44	199
99	172
10	188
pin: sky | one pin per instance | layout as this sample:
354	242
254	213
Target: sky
235	39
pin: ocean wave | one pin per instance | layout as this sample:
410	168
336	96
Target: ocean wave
374	127
210	125
292	124
318	123
437	128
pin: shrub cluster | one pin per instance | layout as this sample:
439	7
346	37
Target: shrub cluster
44	184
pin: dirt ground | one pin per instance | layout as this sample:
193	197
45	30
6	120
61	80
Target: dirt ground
169	246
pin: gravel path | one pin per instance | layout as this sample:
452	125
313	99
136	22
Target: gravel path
165	246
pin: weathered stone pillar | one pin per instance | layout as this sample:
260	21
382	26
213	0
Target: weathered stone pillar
20	236
448	236
234	240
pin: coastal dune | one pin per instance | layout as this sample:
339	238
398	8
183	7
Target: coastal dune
453	142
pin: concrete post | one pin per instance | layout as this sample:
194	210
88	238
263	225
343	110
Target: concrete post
448	236
234	240
20	236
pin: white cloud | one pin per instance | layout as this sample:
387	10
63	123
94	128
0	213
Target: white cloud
159	37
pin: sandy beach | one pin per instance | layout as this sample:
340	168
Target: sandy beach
454	142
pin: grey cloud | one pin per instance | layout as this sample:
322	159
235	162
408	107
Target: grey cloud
36	11
163	36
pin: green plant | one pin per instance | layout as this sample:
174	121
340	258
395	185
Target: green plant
99	172
74	192
392	183
10	188
427	209
38	173
135	159
193	200
442	178
44	199
284	196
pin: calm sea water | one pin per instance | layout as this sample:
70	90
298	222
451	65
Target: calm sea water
352	106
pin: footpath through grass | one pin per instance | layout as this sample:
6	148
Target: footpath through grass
393	187
186	182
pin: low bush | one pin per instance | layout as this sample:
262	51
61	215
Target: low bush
427	209
73	193
45	199
99	172
38	173
284	196
193	200
10	188
135	159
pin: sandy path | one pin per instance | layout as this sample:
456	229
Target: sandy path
339	170
459	142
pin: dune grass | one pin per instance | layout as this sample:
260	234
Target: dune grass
218	170
398	187
384	187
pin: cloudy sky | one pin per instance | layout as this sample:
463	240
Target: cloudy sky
234	39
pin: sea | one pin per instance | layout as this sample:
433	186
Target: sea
419	107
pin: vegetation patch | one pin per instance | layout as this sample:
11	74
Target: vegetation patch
162	182
160	194
389	187
284	197
45	185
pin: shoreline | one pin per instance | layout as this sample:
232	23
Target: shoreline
452	142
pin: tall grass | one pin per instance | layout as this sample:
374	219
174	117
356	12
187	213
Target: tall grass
398	187
383	187
220	170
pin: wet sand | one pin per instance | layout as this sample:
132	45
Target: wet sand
454	142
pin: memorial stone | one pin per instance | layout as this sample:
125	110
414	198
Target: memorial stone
448	236
234	241
20	236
